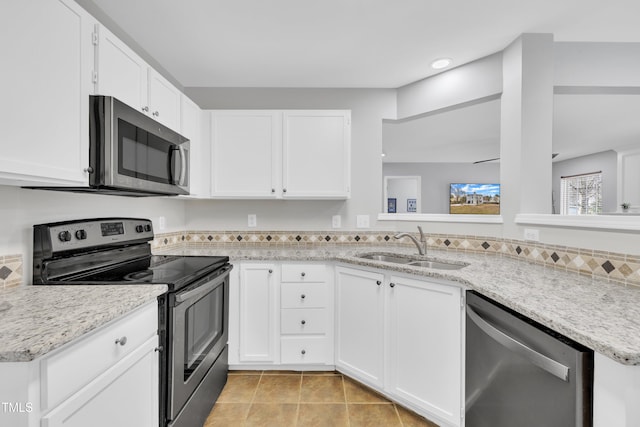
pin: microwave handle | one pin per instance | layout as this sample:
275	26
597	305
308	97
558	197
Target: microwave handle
183	165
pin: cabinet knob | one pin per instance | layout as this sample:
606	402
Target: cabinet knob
303	296
121	341
303	274
303	352
158	349
88	170
145	109
378	282
270	271
393	285
284	190
273	190
304	322
156	113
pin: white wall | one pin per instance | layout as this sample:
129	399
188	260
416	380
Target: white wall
368	108
21	209
436	178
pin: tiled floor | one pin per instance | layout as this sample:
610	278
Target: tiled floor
284	398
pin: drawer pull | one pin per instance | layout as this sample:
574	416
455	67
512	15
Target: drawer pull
393	285
121	341
303	274
304	322
378	282
270	271
303	352
303	296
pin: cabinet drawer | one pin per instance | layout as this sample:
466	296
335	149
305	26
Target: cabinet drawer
304	321
303	350
304	273
303	295
83	360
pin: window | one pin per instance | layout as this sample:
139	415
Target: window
581	194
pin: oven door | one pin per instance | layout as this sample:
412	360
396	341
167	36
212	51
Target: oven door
200	330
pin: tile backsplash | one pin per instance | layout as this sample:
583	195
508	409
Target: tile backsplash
611	266
10	271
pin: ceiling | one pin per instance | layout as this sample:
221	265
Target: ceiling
348	43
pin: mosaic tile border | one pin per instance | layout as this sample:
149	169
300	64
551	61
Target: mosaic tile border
616	267
10	271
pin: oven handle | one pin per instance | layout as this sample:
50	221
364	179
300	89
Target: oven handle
553	367
203	290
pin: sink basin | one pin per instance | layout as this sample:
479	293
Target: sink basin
437	265
386	258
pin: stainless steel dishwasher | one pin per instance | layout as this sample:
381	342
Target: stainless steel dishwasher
520	373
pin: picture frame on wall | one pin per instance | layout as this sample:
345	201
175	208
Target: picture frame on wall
391	205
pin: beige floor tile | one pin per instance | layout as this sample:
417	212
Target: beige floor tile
323	415
272	415
278	389
322	389
227	414
239	389
411	419
373	414
358	393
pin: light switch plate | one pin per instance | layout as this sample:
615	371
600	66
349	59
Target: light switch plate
162	223
362	221
336	221
252	220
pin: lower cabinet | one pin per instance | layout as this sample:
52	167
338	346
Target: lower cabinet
403	337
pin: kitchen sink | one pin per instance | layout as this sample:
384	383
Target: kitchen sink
438	265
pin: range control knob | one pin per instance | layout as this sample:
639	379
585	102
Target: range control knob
81	234
139	228
64	236
147	227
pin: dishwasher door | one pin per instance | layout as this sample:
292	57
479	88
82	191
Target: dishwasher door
519	373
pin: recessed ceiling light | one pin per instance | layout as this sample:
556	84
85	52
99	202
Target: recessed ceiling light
441	63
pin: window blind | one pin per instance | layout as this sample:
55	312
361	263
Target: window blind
581	194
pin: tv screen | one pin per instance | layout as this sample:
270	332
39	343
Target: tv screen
477	199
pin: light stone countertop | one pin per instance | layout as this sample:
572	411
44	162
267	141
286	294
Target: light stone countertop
35	320
601	315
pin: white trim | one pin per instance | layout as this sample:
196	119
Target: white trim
479	219
599	222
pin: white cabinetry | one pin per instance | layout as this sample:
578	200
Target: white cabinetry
301	154
306	315
360	325
194	126
107	377
45	80
424	346
121	73
258	301
404	337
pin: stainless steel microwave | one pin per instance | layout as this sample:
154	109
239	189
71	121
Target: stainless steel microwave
132	154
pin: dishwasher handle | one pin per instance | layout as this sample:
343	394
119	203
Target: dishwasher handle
553	367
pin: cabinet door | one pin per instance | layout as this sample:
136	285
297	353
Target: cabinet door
425	346
125	395
45	81
258	313
192	127
121	72
164	101
360	325
316	154
245	150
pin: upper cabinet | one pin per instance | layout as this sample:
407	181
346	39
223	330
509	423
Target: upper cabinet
265	154
194	126
121	73
45	80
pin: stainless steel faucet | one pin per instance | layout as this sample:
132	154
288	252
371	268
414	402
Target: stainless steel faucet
421	245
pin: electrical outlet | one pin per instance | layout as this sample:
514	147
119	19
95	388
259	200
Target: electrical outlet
162	223
252	220
336	221
362	221
532	234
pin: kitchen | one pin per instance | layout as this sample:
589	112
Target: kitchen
23	208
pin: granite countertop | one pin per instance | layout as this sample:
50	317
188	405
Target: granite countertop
601	315
35	320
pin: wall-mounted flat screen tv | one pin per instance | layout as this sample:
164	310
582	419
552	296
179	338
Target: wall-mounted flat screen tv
476	199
